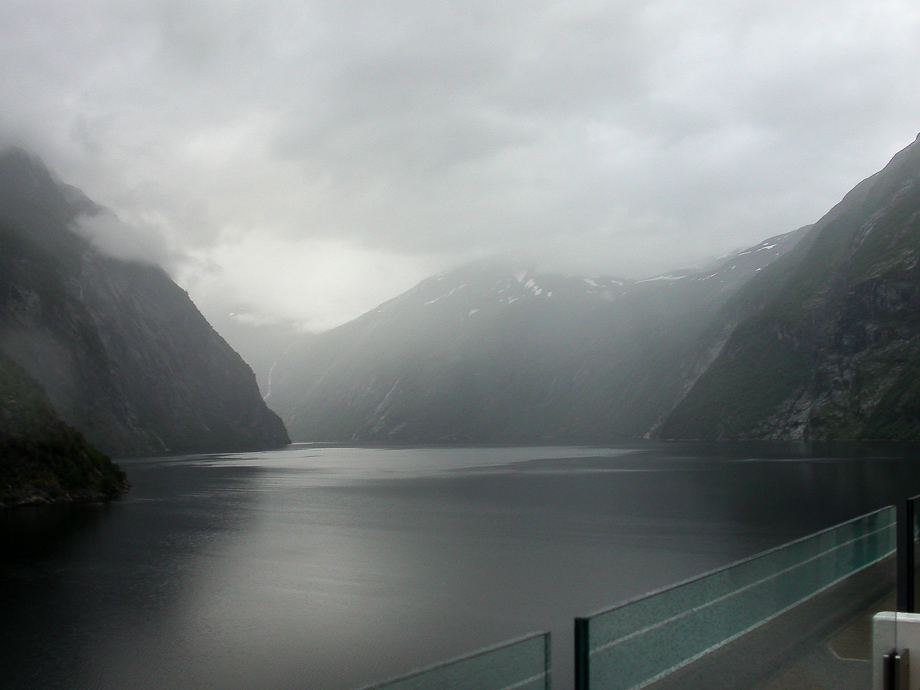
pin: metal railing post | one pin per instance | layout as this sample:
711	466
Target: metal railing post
582	654
905	557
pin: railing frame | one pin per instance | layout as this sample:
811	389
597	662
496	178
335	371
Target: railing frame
582	643
906	512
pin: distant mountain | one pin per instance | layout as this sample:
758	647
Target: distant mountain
260	344
41	458
491	354
122	353
829	343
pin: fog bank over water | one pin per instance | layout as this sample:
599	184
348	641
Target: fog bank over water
308	160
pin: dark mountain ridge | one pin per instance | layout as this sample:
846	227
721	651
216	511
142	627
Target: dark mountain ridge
830	346
122	353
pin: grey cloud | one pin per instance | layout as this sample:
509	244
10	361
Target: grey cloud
123	240
628	136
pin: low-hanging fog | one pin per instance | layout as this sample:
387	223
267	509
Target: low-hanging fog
305	161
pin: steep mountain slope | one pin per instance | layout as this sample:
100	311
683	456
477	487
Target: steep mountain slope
41	458
487	354
830	348
123	354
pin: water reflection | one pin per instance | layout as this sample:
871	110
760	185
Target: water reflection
327	568
80	581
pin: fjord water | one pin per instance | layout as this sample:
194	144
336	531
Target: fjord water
316	567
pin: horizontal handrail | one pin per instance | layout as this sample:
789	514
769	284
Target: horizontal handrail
735	564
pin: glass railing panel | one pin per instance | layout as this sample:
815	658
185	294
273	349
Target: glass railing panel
642	640
662	605
522	664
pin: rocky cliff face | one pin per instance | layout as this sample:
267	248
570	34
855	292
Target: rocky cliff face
488	354
123	354
41	458
830	346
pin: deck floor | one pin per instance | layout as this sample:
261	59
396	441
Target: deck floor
841	662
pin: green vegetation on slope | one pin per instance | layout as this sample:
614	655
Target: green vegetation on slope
41	458
740	389
897	417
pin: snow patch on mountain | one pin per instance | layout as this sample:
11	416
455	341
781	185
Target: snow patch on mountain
667	277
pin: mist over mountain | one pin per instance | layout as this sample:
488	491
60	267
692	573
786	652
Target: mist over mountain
494	354
122	353
810	335
830	346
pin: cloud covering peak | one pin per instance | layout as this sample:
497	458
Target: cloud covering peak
625	137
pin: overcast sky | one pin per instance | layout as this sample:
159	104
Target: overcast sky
308	160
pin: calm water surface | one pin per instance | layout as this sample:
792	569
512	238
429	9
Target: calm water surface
332	567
